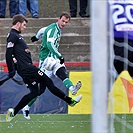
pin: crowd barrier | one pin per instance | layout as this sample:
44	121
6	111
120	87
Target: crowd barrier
5	69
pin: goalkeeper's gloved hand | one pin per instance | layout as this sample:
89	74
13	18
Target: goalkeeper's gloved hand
11	74
62	60
33	39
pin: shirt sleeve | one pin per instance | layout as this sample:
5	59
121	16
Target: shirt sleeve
9	52
40	32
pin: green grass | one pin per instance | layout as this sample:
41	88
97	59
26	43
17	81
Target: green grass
123	123
63	123
45	123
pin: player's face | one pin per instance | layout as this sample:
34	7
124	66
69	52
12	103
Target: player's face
22	26
62	22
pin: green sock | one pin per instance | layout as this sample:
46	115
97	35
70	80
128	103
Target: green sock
67	83
32	101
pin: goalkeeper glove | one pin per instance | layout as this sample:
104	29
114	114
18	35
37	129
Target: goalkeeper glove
33	39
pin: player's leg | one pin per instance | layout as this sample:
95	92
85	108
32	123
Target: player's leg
24	101
62	74
57	92
54	66
32	79
26	109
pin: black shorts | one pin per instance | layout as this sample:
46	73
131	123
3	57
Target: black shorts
35	78
29	74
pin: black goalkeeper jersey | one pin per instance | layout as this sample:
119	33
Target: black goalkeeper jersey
17	47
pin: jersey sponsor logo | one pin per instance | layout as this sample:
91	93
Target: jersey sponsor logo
122	14
10	45
124	27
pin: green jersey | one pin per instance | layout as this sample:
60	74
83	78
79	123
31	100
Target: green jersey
50	42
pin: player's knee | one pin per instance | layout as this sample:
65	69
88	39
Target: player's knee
61	73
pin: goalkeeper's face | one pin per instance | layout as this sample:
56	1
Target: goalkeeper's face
63	21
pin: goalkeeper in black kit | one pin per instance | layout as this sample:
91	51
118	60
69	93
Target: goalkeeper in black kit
35	79
122	20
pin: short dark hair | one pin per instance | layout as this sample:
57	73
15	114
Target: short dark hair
66	14
19	18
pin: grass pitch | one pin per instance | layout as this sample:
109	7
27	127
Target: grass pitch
63	123
47	123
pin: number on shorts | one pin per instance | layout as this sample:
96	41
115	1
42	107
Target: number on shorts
40	73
